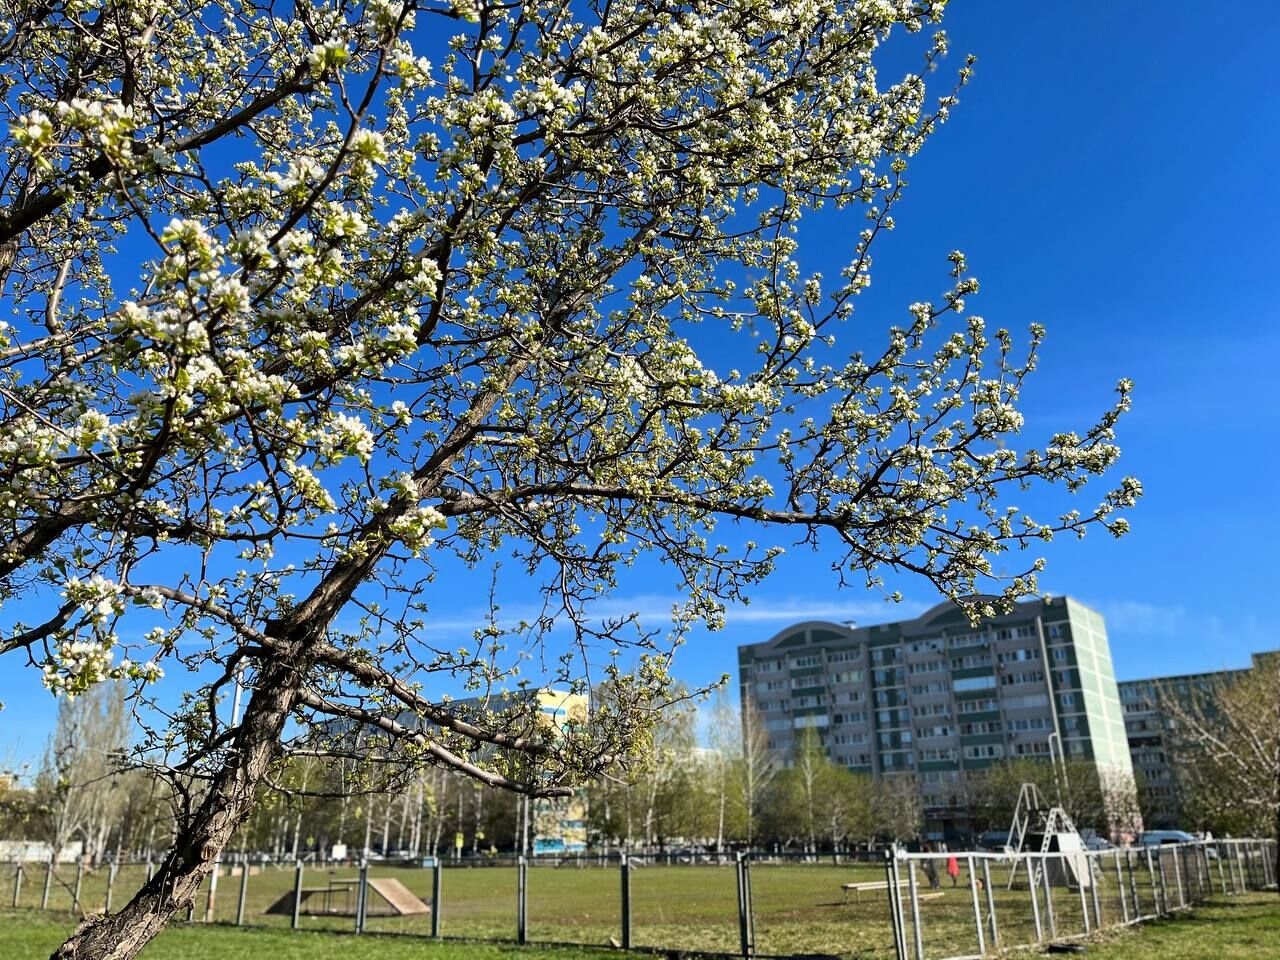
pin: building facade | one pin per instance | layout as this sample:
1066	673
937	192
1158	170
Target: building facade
1149	725
936	697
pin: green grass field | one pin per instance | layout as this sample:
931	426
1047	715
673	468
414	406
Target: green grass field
1246	927
798	908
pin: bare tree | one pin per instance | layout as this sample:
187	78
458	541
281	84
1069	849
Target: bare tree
79	778
724	737
1223	737
759	766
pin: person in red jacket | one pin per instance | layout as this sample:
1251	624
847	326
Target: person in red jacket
953	868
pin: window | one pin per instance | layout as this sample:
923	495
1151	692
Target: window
974	683
935	732
984	751
1029	723
926	646
924	689
1020	655
1027	676
968	640
935	754
929	666
858	716
931	710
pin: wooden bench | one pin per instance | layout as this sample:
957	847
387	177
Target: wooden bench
867	885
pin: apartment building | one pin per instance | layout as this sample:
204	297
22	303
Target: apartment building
936	697
1149	726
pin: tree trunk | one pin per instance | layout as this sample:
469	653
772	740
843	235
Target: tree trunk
198	843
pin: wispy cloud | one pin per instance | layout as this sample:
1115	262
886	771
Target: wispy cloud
1149	619
655	610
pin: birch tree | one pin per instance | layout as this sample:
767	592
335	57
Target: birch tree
78	782
316	304
758	769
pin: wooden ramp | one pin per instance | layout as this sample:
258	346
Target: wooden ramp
399	897
339	896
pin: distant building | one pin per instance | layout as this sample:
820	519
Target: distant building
1148	725
937	697
559	824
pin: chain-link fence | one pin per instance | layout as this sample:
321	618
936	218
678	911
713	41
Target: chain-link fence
946	906
908	905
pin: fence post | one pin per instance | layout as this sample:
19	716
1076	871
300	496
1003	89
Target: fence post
1048	897
991	904
895	915
750	902
75	894
1155	889
211	897
1035	903
625	870
745	933
112	870
522	905
1080	882
1095	876
1124	906
917	934
1177	877
436	880
297	893
17	884
977	910
48	882
1133	886
244	890
362	895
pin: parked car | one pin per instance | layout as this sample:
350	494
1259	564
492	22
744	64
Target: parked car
1157	837
995	840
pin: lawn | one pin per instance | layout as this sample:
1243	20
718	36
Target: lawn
1241	928
33	936
798	908
1246	927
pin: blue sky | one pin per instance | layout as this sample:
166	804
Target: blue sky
1110	174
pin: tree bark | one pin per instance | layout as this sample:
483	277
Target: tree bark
199	842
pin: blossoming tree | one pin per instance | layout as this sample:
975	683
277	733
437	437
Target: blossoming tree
311	304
